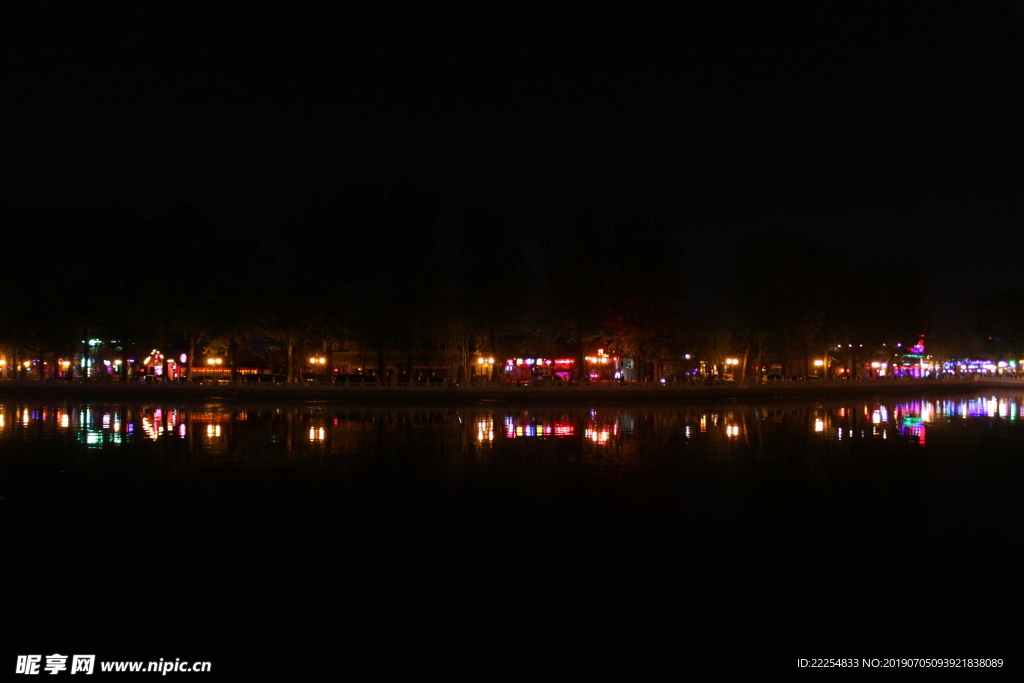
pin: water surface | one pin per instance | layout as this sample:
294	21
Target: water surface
602	537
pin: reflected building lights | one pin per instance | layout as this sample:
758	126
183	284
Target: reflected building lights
529	426
148	429
910	421
485	429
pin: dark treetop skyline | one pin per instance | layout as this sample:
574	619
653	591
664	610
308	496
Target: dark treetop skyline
878	127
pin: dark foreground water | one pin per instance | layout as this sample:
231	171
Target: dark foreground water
491	540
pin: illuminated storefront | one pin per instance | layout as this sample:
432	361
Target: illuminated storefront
600	367
909	362
1006	368
528	369
605	367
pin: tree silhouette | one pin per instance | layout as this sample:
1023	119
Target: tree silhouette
494	285
576	270
646	289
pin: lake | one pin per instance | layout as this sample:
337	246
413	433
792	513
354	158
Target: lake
540	540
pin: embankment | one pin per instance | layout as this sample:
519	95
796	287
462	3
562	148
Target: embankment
456	395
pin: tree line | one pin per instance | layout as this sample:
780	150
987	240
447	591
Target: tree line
358	269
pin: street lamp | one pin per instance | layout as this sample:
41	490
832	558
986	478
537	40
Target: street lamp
315	361
486	367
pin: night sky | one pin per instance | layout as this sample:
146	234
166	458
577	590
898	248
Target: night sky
879	128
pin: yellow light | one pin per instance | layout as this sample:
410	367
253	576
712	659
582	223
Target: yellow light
312	361
490	361
480	361
819	363
322	361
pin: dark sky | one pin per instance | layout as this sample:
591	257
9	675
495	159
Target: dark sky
879	127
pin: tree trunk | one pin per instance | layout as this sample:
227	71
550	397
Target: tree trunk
290	372
328	365
743	366
760	357
581	360
233	353
191	355
493	338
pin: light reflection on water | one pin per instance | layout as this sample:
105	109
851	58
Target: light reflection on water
795	505
216	429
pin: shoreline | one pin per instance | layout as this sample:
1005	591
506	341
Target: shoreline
496	394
